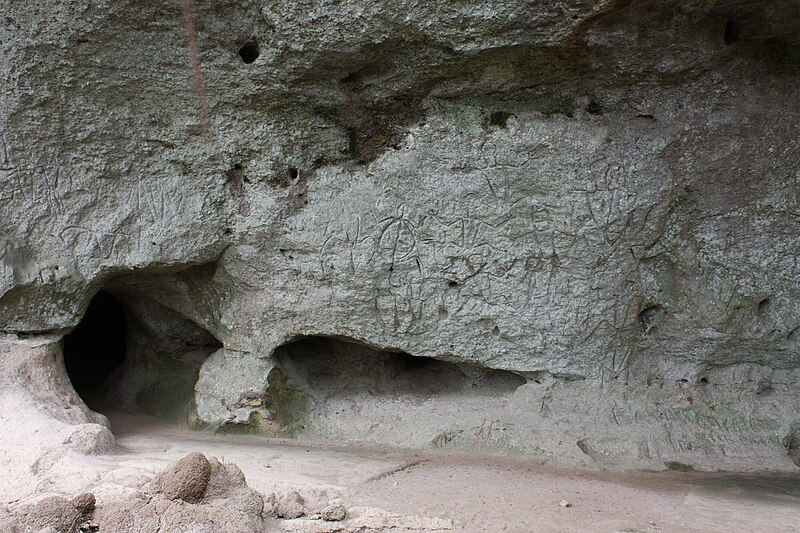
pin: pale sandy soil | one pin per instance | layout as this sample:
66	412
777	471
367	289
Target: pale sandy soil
468	493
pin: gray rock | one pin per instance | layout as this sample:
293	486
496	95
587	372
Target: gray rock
333	511
597	199
290	505
53	512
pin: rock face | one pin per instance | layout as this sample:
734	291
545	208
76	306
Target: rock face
599	198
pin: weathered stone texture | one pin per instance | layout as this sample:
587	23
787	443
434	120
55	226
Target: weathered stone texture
601	196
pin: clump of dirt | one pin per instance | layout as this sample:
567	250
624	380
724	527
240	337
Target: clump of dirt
197	494
85	503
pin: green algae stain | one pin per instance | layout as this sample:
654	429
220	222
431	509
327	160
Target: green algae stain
293	407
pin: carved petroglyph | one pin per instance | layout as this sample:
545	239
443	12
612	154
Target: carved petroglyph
33	179
504	226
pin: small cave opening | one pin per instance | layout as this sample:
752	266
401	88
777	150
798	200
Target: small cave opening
499	119
594	108
96	347
131	354
343	387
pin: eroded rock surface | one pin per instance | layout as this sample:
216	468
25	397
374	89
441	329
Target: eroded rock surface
599	198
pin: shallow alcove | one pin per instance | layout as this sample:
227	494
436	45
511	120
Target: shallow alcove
133	354
341	388
331	365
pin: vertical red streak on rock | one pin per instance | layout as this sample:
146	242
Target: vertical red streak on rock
194	63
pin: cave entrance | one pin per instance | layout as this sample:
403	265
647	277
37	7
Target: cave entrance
134	353
96	347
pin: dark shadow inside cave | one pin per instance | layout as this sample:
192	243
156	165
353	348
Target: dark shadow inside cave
332	365
96	347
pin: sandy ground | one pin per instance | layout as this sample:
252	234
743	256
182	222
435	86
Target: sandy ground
468	493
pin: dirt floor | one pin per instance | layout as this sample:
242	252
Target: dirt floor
431	491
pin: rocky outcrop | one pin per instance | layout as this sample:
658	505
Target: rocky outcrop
600	198
194	494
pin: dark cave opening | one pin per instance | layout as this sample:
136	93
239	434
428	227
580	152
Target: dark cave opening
96	347
133	354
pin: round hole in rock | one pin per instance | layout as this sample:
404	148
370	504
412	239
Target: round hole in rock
249	52
594	108
96	347
499	118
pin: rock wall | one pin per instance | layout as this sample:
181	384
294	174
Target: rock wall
600	197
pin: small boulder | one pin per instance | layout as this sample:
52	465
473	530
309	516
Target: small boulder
53	511
290	505
185	480
84	503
